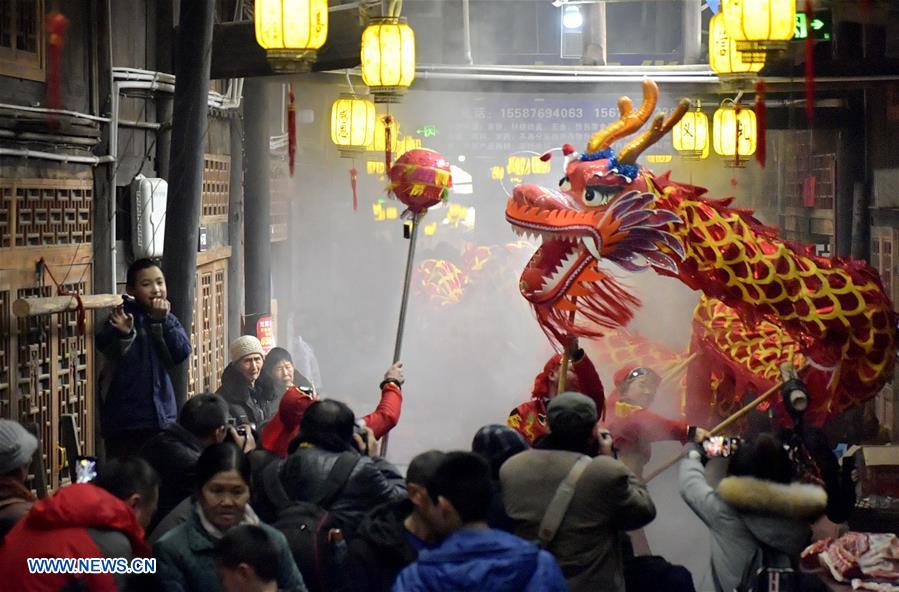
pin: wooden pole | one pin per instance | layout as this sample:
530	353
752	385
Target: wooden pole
736	416
401	326
675	370
29	307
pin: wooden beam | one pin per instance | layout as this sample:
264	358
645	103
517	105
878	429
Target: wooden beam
235	53
29	307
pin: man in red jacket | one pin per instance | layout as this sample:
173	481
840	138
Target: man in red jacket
101	519
285	425
633	426
529	418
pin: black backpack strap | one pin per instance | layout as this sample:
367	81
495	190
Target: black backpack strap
274	489
337	478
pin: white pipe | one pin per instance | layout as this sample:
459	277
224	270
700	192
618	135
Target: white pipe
54	111
38	155
466	31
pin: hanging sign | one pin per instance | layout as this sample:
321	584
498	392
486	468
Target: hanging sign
265	332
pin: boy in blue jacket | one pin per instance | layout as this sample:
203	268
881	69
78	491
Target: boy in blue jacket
472	556
140	342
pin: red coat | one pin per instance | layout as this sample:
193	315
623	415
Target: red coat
285	425
529	418
57	527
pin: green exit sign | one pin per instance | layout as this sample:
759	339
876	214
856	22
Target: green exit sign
819	27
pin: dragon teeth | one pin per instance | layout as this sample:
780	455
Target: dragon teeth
591	246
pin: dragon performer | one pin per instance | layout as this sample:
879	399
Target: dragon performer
610	210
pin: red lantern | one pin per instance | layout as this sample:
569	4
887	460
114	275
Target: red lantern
420	178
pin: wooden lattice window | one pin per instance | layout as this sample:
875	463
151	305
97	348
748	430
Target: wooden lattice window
38	212
800	164
22	39
73	371
208	331
34	374
216	185
883	253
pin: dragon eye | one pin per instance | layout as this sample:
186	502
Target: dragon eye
564	183
589	195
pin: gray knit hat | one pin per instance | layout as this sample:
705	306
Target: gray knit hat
244	346
17	446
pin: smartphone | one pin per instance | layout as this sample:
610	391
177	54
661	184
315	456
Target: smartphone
126	298
85	469
721	446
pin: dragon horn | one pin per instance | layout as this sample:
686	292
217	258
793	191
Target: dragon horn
659	128
630	120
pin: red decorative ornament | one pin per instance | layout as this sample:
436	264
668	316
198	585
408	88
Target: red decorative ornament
420	179
291	128
56	26
388	140
761	116
353	176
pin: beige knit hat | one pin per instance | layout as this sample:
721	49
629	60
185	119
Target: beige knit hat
244	346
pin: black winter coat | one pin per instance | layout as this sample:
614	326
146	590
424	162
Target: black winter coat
372	482
381	548
242	400
173	452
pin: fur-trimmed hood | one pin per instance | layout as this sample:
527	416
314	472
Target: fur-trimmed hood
796	501
776	514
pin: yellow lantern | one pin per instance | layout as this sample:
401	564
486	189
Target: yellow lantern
519	166
290	31
430	229
388	58
377	209
375	167
540	167
383	123
724	58
690	136
352	124
392	213
734	131
497	173
759	20
406	144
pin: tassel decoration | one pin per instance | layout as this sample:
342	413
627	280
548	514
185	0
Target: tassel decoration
291	128
761	115
353	175
388	140
56	26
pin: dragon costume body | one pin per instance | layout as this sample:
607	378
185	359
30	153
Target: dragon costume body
773	298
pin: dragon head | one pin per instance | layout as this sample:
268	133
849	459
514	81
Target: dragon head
602	210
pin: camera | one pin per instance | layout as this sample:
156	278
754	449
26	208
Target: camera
721	446
239	425
359	430
85	469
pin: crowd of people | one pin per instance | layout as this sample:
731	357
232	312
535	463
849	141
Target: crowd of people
266	486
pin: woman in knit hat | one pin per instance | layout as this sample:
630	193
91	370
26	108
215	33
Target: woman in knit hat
17	446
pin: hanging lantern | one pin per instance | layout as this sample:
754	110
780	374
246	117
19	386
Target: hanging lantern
352	124
690	136
724	58
518	165
540	167
388	58
734	131
290	32
380	136
767	21
406	144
